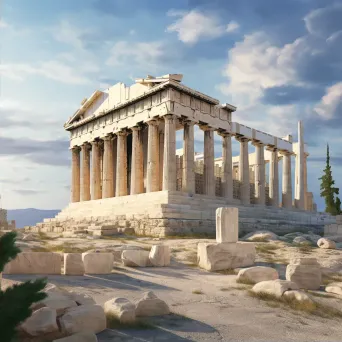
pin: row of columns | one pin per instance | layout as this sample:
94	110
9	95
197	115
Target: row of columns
114	168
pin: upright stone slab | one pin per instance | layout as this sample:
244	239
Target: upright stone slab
227	225
73	264
98	263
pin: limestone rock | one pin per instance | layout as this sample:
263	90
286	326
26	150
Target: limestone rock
227	225
334	288
121	308
274	287
261	235
35	263
79	337
257	274
305	272
223	256
80	298
73	264
301	240
326	243
98	263
312	237
160	255
83	318
300	296
135	258
28	237
151	305
42	321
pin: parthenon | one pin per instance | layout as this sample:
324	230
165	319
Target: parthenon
126	170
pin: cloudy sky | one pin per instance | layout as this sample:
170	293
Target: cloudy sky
277	61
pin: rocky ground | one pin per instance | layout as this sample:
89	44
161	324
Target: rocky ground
205	306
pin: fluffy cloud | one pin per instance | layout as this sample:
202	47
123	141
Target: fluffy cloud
331	104
194	25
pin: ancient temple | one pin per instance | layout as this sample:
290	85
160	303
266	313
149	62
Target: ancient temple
127	173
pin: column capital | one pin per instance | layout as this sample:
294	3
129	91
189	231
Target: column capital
94	143
152	122
224	134
257	143
188	122
76	148
136	128
169	117
206	128
285	152
242	138
107	137
122	133
272	148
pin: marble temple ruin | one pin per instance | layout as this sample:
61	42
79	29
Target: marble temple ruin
128	175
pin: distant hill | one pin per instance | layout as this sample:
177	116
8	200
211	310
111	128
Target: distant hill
30	216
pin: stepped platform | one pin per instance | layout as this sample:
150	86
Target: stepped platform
166	213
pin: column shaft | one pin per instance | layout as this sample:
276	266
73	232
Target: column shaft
153	157
96	171
287	181
108	169
299	182
274	179
306	204
227	174
188	179
244	172
209	162
170	167
75	175
121	164
85	180
259	174
137	171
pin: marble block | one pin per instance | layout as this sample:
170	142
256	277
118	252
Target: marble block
227	225
73	264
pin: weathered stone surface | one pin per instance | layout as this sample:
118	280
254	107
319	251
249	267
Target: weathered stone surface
135	258
261	235
305	272
73	264
326	243
274	287
257	274
227	225
301	240
334	288
83	318
80	298
79	337
28	237
42	321
98	263
151	305
300	296
160	255
222	256
35	263
120	308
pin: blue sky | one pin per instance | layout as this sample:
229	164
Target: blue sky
277	61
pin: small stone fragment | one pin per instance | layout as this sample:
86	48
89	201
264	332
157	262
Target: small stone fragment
160	255
326	243
151	305
257	274
41	322
274	287
120	308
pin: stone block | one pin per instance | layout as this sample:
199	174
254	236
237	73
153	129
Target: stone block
89	318
107	232
73	264
135	258
42	321
274	287
160	255
305	272
120	308
334	288
326	243
80	298
98	263
79	337
227	225
222	256
151	305
257	274
35	263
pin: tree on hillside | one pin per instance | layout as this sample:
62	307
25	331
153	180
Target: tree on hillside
328	191
15	301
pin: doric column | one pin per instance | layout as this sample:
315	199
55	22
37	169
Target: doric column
227	172
137	171
209	161
274	178
287	181
244	171
306	203
75	175
121	164
169	167
188	179
108	168
299	182
96	171
259	173
152	182
85	176
161	158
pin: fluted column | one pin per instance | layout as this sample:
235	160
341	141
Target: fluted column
85	176
274	178
244	171
259	173
152	182
170	168
121	164
306	204
75	175
188	179
227	173
137	171
209	161
108	168
287	181
299	181
96	171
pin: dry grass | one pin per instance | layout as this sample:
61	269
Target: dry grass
322	295
331	278
246	287
193	236
65	247
199	292
44	236
260	239
179	249
245	281
229	271
114	323
266	249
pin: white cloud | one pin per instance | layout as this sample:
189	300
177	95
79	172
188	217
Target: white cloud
3	24
330	102
194	25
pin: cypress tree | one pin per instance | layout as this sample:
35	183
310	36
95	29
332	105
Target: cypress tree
16	301
328	191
